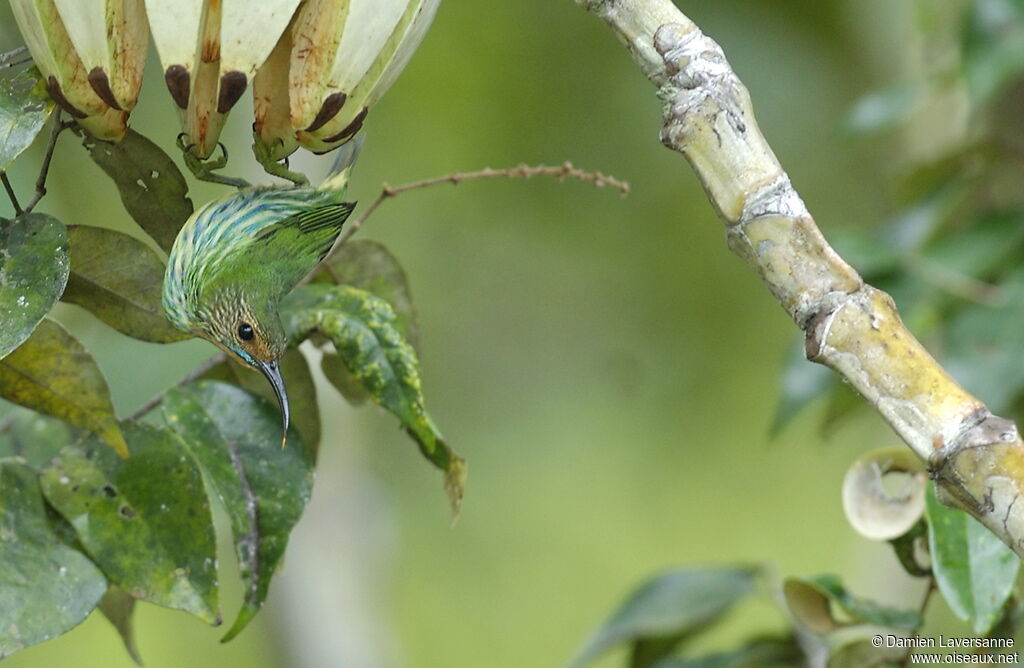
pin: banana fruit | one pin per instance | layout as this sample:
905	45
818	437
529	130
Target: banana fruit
91	53
342	55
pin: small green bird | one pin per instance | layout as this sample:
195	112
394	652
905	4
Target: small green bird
236	258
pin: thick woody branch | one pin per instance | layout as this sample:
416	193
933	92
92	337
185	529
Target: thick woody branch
976	457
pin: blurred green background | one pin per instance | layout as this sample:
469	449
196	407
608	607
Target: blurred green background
607	367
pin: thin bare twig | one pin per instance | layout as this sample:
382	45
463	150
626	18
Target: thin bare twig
44	171
58	126
10	59
10	193
561	172
189	377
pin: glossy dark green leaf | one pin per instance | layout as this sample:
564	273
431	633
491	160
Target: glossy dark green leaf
671	605
235	437
52	373
119	279
809	600
33	436
975	570
369	265
982	350
152	189
46	586
24	108
33	272
145	520
363	330
118	606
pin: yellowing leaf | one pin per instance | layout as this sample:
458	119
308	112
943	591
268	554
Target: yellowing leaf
52	373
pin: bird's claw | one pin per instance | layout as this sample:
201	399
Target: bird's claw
203	169
265	156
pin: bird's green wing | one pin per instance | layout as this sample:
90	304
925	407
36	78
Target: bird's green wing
282	253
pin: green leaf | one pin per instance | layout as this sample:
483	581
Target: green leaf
364	332
46	587
982	349
975	570
145	520
52	373
305	413
119	279
33	271
978	249
235	437
338	375
117	606
809	600
369	265
671	605
35	438
24	108
152	189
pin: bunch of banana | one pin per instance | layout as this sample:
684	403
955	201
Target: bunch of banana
91	53
334	62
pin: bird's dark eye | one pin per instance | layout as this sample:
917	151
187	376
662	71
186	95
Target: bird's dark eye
245	332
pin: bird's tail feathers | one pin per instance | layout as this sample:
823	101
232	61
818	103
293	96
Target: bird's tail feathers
338	177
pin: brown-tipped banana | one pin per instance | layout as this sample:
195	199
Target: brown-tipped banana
67	77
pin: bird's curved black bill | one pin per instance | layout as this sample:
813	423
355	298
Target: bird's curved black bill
272	370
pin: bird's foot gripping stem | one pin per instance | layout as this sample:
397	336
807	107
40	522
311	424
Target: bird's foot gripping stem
265	156
204	168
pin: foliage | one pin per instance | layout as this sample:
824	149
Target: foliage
100	512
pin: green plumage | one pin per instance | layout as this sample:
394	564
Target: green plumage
237	257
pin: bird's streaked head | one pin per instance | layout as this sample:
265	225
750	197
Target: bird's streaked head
250	333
